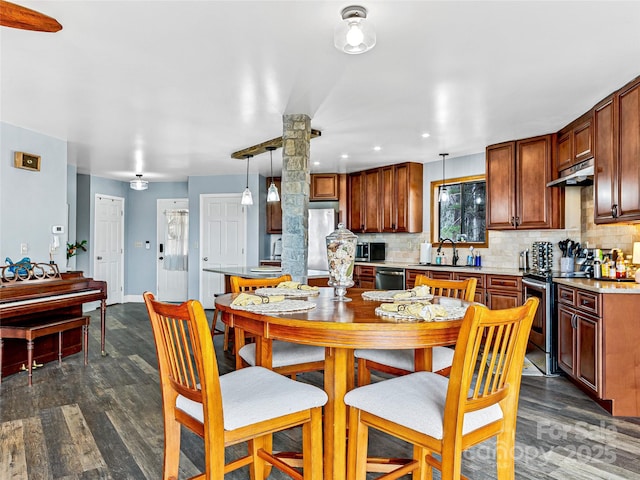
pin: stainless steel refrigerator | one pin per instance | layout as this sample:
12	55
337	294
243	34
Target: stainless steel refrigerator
321	223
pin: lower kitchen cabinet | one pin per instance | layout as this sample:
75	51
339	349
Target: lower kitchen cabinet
598	338
480	291
503	291
579	336
364	276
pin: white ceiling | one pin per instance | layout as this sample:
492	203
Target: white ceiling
190	82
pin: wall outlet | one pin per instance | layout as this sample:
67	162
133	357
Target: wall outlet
24	248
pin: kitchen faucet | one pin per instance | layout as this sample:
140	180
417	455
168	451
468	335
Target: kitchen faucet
454	258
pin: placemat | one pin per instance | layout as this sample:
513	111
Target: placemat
388	296
287	292
277	307
453	313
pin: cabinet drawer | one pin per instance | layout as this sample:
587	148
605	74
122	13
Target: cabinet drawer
504	282
566	295
410	277
587	301
464	276
366	270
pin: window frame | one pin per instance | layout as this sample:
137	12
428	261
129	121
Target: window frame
435	210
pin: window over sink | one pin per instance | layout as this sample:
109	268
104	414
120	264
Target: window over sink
461	215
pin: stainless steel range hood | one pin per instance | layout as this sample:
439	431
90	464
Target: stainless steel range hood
577	176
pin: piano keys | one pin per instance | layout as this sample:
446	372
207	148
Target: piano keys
44	294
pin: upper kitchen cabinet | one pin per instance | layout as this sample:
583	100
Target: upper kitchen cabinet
617	150
575	143
324	187
386	199
274	210
402	198
364	188
517	194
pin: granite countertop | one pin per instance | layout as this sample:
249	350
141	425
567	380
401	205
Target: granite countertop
600	286
261	272
446	268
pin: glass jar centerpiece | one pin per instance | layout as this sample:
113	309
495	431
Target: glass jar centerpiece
341	254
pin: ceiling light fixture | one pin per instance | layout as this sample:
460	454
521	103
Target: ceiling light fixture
138	183
444	194
272	193
247	199
354	34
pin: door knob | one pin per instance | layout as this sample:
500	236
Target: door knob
99	258
205	259
160	258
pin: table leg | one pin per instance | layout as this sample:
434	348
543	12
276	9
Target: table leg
423	360
338	375
264	352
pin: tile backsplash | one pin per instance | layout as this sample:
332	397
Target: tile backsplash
505	246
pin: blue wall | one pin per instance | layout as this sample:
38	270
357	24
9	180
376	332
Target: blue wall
31	202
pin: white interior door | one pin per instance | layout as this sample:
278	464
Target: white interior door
108	245
173	234
223	223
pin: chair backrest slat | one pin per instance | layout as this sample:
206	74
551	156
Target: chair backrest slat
488	361
463	289
242	284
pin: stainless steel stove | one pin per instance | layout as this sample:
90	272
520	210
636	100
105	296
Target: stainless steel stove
542	348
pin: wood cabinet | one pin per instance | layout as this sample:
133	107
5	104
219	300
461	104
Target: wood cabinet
617	149
579	336
364	276
324	187
401	200
480	295
274	210
364	189
575	143
386	199
503	291
517	194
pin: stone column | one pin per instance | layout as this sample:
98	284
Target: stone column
296	138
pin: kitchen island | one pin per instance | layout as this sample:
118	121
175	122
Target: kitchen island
318	278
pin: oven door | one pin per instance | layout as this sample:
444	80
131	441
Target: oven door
539	350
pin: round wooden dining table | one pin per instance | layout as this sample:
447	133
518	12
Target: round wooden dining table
341	327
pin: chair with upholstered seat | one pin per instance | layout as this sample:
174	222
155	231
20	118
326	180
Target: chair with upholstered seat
287	358
446	416
249	405
401	362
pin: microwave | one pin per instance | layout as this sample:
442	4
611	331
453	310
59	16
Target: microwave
370	251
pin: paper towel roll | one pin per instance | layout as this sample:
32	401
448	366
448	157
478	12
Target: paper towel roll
425	253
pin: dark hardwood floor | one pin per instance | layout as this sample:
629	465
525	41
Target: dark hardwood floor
103	421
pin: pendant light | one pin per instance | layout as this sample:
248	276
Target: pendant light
272	193
354	34
138	183
444	194
247	199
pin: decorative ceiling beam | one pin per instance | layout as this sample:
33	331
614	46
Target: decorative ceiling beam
262	147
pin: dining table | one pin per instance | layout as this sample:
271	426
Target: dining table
341	327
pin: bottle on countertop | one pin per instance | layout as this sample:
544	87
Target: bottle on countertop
612	268
605	267
621	270
470	257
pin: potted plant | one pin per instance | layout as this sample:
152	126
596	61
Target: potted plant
72	248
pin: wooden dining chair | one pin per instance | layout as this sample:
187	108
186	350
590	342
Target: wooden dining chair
446	416
401	362
287	358
242	406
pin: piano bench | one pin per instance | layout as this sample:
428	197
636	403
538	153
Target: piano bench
41	329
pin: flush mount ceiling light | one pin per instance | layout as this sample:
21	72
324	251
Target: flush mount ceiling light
247	199
354	34
272	193
444	194
138	183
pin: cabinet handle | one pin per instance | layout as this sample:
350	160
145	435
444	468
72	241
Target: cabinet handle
574	324
614	210
517	221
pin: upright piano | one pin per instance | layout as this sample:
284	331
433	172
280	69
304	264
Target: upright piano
41	293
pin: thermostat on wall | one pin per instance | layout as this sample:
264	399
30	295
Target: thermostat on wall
57	229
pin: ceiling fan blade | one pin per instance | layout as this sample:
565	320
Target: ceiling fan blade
15	16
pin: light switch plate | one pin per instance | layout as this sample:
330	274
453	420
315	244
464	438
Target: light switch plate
24	248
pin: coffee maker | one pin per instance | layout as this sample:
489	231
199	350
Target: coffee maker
586	258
